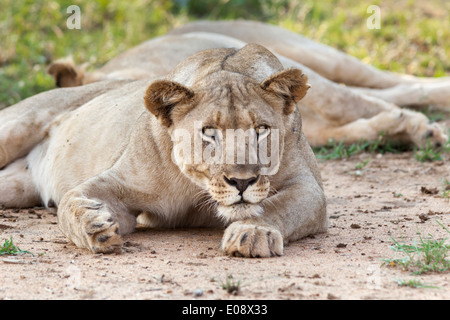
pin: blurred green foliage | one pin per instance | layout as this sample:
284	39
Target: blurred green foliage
232	9
414	36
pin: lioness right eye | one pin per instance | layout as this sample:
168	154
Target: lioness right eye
208	131
262	131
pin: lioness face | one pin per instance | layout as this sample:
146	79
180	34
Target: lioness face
227	135
232	146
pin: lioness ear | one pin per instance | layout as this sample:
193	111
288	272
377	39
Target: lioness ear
291	85
66	73
162	97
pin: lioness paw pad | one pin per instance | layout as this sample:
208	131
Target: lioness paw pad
102	234
252	241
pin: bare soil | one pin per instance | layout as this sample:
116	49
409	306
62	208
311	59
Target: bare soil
392	196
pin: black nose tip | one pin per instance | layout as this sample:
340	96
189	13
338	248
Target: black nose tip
241	184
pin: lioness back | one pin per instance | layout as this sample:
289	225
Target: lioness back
86	141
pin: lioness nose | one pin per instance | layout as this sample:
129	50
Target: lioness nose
241	184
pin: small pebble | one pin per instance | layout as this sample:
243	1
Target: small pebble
198	293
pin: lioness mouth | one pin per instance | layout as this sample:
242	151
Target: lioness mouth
242	204
238	211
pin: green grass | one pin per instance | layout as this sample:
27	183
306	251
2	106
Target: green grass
231	285
445	189
338	150
9	247
34	33
423	256
362	164
428	153
414	283
414	36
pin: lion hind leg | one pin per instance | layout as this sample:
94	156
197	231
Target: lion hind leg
16	186
437	94
412	126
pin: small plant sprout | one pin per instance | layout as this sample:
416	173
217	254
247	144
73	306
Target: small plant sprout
231	286
423	256
339	150
362	164
446	189
413	283
428	153
9	247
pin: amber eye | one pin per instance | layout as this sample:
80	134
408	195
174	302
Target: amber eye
209	133
262	131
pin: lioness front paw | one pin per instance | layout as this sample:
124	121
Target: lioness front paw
252	241
101	232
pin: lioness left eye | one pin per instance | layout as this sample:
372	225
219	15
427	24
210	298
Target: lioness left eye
262	131
209	132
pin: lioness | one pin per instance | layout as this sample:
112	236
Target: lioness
103	159
115	157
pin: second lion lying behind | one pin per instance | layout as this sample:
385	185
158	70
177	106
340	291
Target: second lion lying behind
330	110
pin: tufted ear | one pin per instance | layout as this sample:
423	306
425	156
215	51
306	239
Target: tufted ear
66	73
291	85
162	98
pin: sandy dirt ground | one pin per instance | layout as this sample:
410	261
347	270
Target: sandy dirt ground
387	198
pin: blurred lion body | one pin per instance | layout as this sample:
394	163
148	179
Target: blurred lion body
369	104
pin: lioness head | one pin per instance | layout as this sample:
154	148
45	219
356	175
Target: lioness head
227	112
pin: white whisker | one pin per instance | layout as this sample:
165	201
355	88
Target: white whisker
204	201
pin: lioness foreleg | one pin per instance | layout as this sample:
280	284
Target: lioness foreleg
92	217
291	214
252	238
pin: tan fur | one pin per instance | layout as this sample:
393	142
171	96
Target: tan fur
330	110
16	186
66	73
104	153
324	60
25	124
120	147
